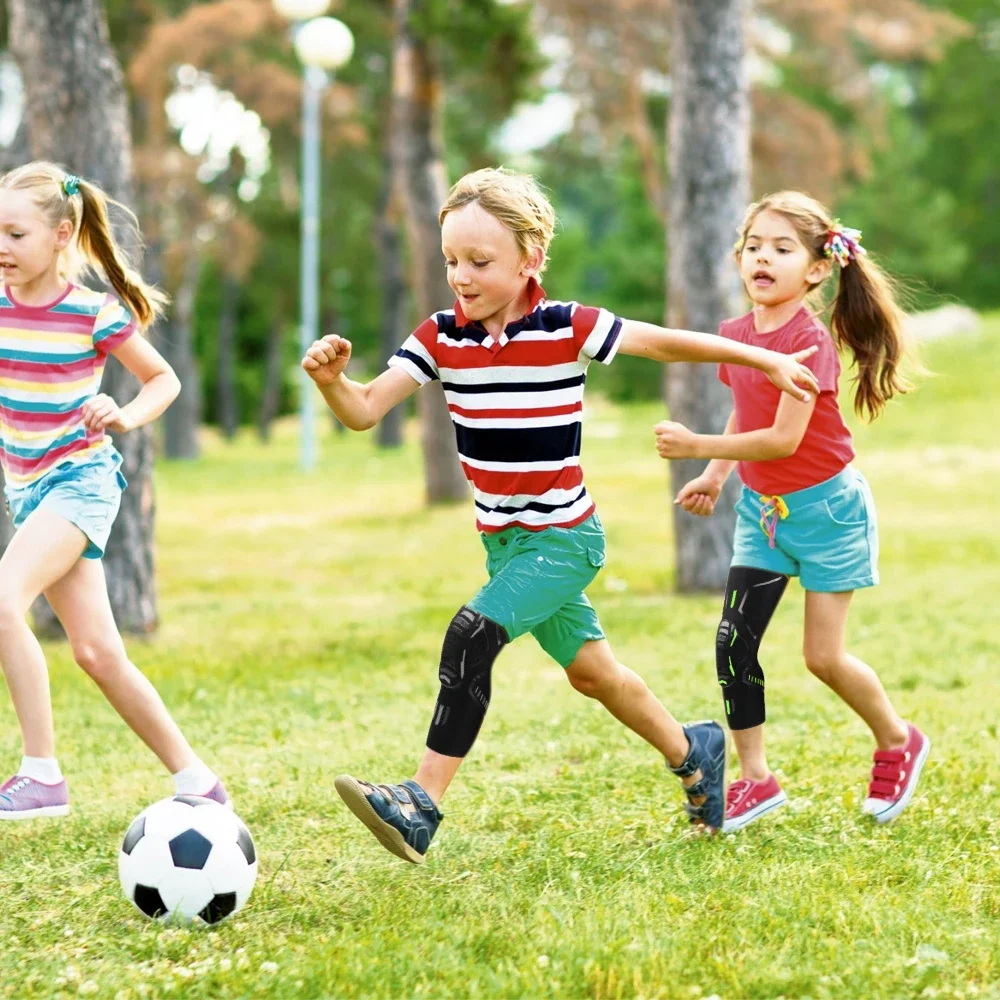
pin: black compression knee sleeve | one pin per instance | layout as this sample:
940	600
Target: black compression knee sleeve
751	597
471	644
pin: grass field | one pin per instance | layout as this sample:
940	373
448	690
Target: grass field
302	620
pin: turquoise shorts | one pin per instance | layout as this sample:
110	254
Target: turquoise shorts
537	579
828	536
87	494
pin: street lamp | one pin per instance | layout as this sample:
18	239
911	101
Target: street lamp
323	44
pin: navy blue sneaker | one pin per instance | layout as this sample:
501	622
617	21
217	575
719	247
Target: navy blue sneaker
707	754
402	817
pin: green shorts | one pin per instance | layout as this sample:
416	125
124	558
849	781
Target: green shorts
537	579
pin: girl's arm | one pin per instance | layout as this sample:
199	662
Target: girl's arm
160	387
786	371
780	440
358	406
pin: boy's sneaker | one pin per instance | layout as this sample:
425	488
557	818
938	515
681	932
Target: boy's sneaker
26	798
707	754
748	800
894	777
403	817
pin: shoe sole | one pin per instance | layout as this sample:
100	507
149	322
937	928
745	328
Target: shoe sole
761	809
14	815
904	800
388	836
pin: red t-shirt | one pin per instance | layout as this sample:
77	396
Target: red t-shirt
826	446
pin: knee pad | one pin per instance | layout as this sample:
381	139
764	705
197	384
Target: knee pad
751	597
471	644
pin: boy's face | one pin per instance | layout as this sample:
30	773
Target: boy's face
774	264
485	268
28	244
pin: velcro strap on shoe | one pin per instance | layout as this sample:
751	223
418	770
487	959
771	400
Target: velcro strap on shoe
882	789
420	797
887	772
689	765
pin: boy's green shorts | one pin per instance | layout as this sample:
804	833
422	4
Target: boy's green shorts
537	579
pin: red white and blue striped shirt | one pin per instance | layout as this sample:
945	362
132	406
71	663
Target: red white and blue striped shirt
516	402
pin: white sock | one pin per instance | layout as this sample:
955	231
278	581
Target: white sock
195	779
43	769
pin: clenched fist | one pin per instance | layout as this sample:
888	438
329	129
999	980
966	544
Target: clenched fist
327	359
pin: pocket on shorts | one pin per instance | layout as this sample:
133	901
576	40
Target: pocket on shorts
849	507
596	557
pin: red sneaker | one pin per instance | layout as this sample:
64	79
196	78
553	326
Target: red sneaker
748	800
895	776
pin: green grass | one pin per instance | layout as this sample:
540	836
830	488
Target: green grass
302	620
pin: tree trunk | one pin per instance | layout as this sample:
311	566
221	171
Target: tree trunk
417	161
76	112
228	406
709	155
270	398
389	433
180	422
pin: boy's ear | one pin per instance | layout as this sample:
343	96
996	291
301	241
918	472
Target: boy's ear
820	271
533	262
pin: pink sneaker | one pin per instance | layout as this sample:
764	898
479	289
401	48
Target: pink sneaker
895	776
748	800
25	798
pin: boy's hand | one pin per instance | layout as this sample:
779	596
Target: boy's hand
102	413
787	372
699	496
326	360
674	440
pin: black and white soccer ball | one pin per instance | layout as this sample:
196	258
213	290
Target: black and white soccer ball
189	859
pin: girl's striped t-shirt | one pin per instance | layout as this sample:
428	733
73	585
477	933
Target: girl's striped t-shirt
52	358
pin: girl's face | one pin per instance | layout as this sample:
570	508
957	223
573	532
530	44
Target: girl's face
29	246
485	268
775	265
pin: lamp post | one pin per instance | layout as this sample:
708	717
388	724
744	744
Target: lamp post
323	44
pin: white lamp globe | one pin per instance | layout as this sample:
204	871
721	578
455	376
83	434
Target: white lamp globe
301	10
324	43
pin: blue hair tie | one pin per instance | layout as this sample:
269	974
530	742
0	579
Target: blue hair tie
71	185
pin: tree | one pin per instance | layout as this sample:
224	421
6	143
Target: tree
76	113
709	156
417	95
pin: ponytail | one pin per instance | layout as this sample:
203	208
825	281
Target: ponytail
61	196
867	321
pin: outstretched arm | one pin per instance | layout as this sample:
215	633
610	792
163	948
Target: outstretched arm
356	405
786	371
780	440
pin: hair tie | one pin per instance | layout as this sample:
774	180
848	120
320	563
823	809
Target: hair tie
71	185
843	244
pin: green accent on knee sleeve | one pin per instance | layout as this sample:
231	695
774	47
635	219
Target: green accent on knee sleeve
728	710
731	670
733	639
732	600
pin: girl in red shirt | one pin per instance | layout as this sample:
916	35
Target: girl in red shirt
804	510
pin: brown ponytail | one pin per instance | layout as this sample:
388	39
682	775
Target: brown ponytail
866	317
93	244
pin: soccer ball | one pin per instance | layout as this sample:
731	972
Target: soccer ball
187	858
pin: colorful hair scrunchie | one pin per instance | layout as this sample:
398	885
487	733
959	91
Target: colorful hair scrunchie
71	185
843	244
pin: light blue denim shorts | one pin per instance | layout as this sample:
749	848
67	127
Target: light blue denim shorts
828	536
87	494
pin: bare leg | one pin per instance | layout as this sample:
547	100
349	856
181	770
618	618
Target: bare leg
855	682
436	772
596	673
750	750
44	549
80	599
